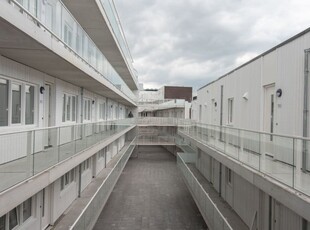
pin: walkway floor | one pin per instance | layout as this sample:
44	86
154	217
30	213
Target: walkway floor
151	194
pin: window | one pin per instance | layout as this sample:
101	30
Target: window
29	108
13	218
67	179
230	110
4	93
102	111
27	209
85	165
87	109
102	153
69	108
17	216
2	222
16	104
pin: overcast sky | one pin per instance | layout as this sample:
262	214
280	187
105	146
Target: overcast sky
192	42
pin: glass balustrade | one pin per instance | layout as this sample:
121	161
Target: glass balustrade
283	158
39	149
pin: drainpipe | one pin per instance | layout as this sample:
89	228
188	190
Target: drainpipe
305	110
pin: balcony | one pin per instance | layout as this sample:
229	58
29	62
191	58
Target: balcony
150	106
100	20
277	164
41	149
54	43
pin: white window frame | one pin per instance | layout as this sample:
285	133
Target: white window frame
65	99
102	111
86	165
67	179
19	213
22	85
102	153
230	115
87	109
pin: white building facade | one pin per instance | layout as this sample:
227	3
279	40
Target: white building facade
64	95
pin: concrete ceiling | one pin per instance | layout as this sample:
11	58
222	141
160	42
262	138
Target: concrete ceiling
89	14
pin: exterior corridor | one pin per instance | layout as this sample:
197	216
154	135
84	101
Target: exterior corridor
150	194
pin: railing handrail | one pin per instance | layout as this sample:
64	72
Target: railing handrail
254	131
65	125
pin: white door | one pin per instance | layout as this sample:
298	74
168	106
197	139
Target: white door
47	115
45	207
269	118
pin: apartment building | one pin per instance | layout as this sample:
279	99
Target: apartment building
66	86
252	137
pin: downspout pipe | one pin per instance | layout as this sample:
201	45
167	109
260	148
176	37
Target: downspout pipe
305	110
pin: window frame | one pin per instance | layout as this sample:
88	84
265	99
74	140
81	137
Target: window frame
9	102
20	214
87	111
67	179
67	97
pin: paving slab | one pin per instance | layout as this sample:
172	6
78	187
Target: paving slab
151	194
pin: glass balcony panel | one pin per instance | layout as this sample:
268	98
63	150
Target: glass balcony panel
250	148
232	142
16	160
46	149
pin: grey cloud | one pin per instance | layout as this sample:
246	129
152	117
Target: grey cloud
191	42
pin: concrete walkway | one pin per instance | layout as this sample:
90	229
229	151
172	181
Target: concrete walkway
151	194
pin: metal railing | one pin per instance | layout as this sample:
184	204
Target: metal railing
27	153
64	27
208	209
91	212
280	157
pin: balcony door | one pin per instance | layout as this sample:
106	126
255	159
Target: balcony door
269	117
47	115
45	205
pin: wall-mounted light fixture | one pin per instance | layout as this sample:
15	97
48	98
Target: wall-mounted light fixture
42	89
246	96
93	102
279	92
